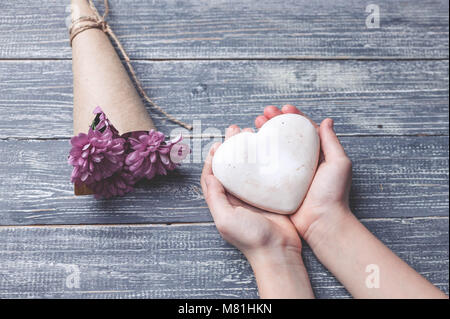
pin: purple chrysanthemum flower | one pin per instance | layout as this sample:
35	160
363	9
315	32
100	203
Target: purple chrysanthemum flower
96	156
179	152
118	184
150	154
103	122
110	164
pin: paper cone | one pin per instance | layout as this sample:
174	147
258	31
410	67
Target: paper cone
100	79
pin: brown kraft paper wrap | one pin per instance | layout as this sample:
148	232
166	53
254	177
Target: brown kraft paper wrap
100	79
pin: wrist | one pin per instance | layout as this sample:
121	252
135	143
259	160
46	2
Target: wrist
275	256
280	273
328	226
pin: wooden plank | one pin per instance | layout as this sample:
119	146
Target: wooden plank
167	29
393	177
364	97
182	261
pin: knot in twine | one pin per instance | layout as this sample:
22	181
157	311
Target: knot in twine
99	22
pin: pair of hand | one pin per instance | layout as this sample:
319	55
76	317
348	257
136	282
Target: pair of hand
252	230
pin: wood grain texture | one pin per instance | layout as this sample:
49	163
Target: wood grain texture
167	29
386	88
182	261
401	177
364	97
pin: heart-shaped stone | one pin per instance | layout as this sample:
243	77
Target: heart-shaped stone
271	169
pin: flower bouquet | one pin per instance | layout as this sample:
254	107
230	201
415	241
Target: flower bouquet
115	142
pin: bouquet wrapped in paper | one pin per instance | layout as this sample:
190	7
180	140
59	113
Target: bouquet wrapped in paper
115	142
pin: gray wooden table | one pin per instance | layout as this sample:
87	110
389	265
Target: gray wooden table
221	62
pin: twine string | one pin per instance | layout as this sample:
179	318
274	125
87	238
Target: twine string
99	22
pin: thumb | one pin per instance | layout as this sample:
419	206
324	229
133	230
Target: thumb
331	147
216	197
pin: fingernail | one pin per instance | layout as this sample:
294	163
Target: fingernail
230	129
331	124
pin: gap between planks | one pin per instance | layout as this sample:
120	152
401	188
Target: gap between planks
178	224
306	58
65	138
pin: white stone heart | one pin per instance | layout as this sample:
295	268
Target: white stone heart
271	169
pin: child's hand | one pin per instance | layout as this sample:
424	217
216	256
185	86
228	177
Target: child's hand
248	228
269	241
337	238
329	192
